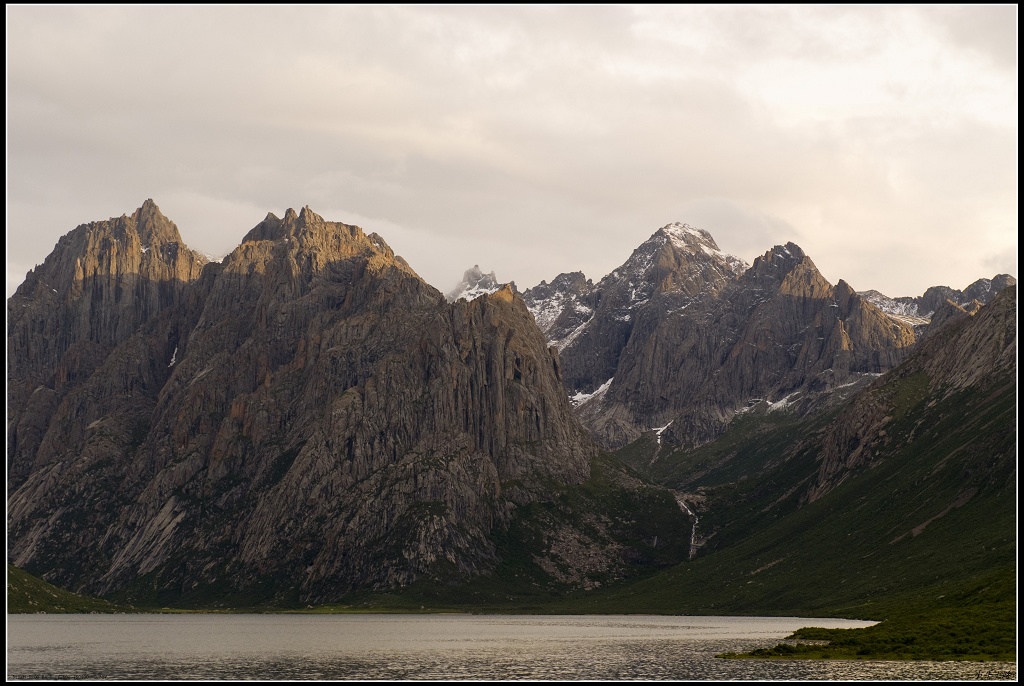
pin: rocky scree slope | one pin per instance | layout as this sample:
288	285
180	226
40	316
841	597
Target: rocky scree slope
307	416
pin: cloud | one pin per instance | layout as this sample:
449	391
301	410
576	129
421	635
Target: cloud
989	30
1002	263
529	140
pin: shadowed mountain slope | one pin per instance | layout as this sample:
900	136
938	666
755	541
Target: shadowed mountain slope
308	415
904	498
682	337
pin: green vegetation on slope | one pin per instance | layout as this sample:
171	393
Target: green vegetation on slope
971	621
29	594
929	518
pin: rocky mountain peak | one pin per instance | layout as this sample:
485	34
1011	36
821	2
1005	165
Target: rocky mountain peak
845	296
350	427
308	244
153	227
686	236
946	312
782	257
690	360
273	228
675	267
984	290
676	258
571	280
103	282
284	262
292	224
474	283
562	306
506	293
566	283
145	244
778	262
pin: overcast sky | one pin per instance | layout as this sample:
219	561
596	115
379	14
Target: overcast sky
530	140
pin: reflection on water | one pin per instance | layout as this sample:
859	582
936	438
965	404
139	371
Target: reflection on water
429	647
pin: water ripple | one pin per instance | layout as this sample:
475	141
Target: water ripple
431	647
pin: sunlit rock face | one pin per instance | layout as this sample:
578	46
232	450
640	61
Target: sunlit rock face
308	413
103	282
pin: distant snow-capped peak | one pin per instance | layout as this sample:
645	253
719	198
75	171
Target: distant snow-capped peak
686	236
693	239
698	245
474	284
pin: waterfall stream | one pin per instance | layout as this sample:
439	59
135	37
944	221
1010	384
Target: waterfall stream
693	516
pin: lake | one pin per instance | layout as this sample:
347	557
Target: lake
430	646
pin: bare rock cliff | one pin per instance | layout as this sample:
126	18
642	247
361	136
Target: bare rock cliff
677	259
325	421
102	282
778	332
967	352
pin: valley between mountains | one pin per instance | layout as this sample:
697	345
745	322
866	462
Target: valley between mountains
307	422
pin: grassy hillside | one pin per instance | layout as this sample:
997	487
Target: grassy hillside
923	535
29	594
971	620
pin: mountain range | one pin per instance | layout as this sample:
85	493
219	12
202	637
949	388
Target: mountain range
274	405
899	504
682	337
307	418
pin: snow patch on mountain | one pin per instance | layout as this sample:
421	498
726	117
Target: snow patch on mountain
660	430
581	397
782	404
691	238
547	311
474	284
901	309
890	305
563	343
684	235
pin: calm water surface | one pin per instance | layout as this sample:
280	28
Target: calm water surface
429	647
